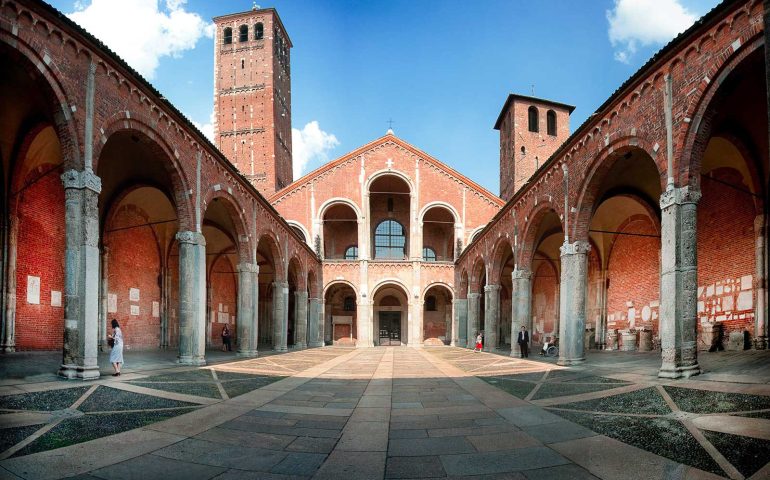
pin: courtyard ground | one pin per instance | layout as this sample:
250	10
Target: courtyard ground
389	412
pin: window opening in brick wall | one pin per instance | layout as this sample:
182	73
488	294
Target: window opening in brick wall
390	240
533	120
550	118
228	36
428	254
259	31
351	253
243	33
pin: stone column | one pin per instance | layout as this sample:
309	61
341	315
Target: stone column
364	326
192	298
679	283
315	323
572	299
9	322
474	309
280	315
760	291
104	289
248	294
300	320
81	275
521	307
491	317
460	323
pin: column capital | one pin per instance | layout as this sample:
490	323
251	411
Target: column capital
679	196
81	179
193	238
474	294
517	274
575	248
247	267
491	288
281	283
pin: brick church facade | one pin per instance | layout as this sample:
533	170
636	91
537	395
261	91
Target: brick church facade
645	228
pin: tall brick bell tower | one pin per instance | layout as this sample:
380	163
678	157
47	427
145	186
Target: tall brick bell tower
252	96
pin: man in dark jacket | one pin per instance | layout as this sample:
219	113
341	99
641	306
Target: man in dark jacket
523	341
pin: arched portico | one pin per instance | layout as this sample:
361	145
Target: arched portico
391	314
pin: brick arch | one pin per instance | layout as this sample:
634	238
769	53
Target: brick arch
272	244
58	100
478	271
462	284
173	167
236	215
597	173
314	286
688	162
528	244
301	276
756	177
496	266
339	201
334	283
384	173
124	192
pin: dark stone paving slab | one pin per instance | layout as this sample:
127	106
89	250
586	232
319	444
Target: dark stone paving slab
238	437
702	401
516	388
216	454
746	454
312	445
234	474
571	472
558	431
528	416
235	388
411	433
300	464
498	442
501	462
416	447
414	467
153	466
352	466
241	424
661	436
47	401
111	399
197	375
200	389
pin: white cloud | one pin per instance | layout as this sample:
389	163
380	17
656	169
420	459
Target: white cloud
635	23
142	31
310	143
207	128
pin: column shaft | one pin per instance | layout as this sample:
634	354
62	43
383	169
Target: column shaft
81	275
572	301
760	279
679	283
474	309
315	319
460	323
491	317
192	298
248	285
300	320
280	315
364	325
9	322
521	305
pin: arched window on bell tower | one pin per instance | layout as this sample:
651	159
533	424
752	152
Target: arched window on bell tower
533	120
227	36
550	118
243	33
259	31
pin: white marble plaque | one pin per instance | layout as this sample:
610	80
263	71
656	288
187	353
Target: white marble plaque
220	307
33	290
156	309
55	298
135	310
223	317
133	295
112	303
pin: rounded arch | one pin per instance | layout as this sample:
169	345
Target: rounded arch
440	284
599	171
475	233
390	281
498	251
386	172
462	284
314	287
55	94
528	244
698	133
477	274
301	228
295	265
139	124
110	204
333	283
439	204
336	201
268	243
239	222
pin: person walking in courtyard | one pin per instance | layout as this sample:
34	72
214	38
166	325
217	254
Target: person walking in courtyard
478	343
226	340
523	341
116	354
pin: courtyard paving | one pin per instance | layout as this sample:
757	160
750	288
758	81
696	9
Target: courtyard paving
392	412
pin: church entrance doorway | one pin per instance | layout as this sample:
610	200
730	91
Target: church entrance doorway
390	328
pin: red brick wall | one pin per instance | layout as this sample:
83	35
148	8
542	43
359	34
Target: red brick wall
544	300
634	274
223	299
40	253
134	262
726	261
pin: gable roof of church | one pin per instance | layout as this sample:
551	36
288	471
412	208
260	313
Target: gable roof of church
389	137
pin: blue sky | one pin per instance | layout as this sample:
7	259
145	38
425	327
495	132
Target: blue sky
440	69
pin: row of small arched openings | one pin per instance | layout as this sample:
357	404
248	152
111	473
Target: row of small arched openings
243	33
534	120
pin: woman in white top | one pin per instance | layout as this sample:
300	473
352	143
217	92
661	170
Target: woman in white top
116	355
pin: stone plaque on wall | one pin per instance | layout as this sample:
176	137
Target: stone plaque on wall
33	290
155	309
133	295
55	298
112	303
135	310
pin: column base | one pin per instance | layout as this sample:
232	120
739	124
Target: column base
247	353
566	362
679	372
299	346
315	344
8	348
78	372
192	361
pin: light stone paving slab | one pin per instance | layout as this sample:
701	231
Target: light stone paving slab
364	437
